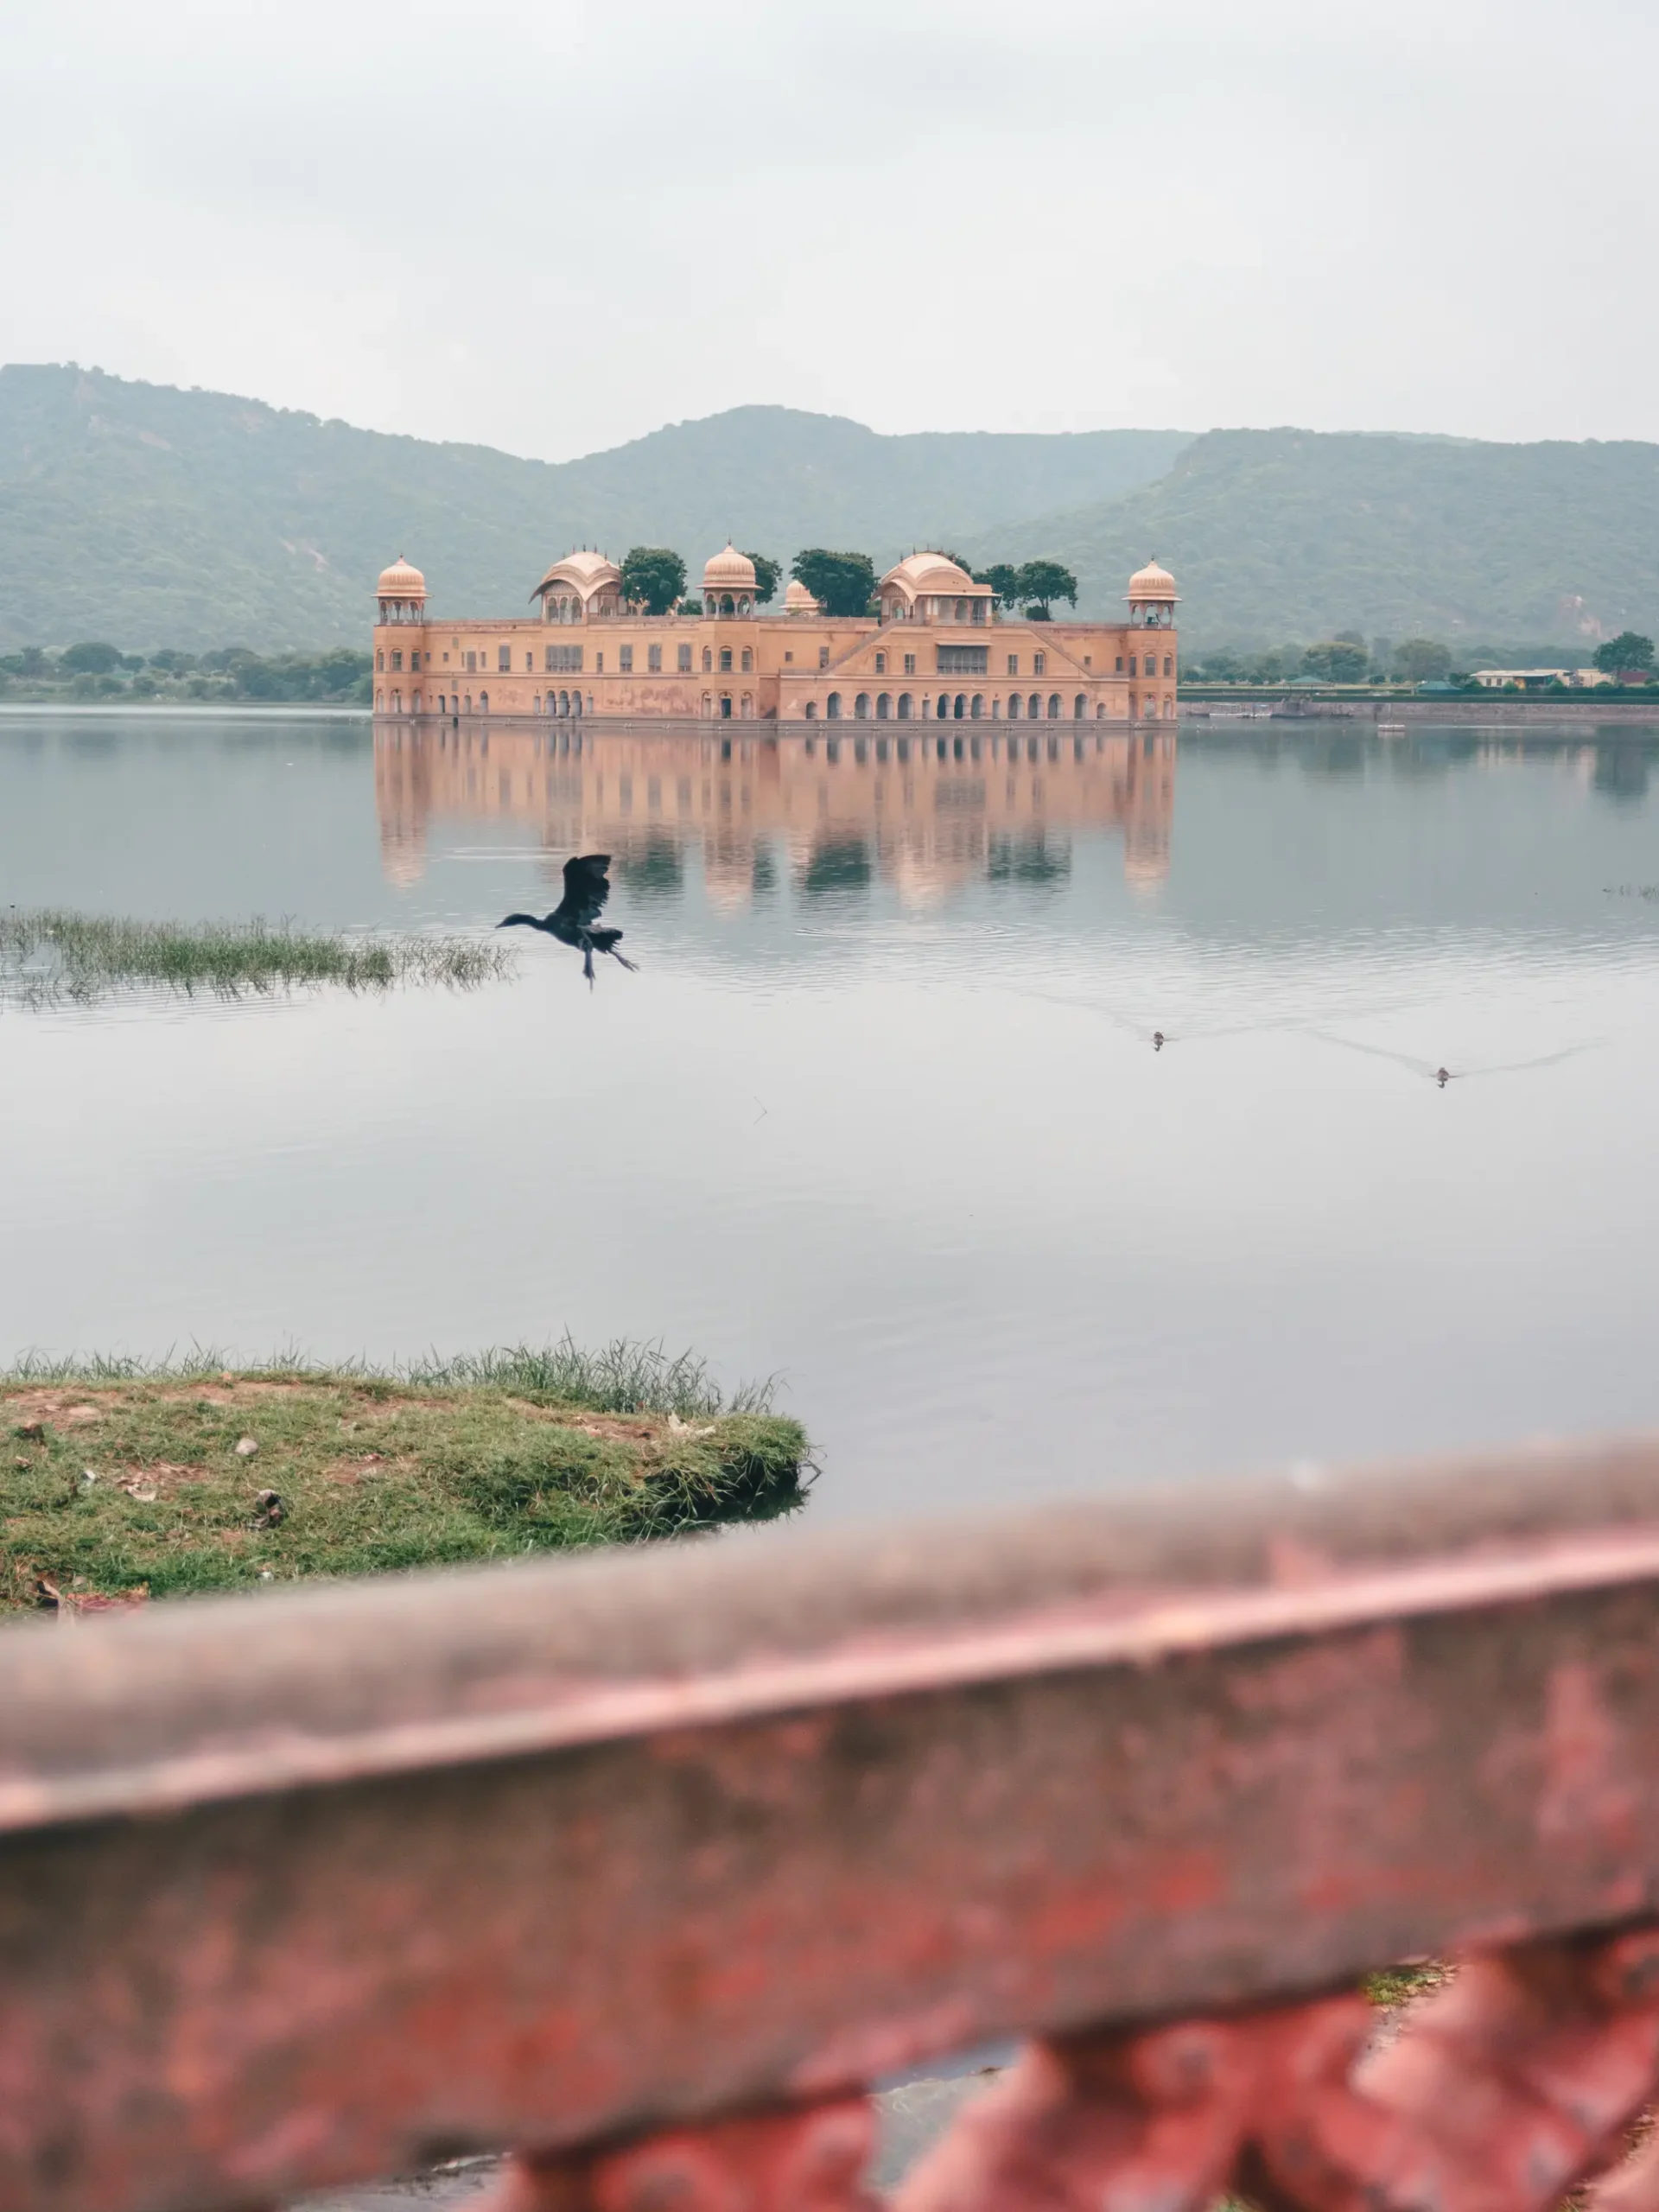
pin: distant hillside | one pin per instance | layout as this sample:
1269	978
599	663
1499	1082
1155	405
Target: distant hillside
1290	535
150	517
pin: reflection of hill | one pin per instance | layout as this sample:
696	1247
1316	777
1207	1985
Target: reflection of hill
922	812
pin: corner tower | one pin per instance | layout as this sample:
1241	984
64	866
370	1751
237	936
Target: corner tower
402	593
1153	598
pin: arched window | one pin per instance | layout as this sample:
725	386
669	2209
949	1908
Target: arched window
904	706
707	660
1054	705
380	703
944	707
749	661
707	705
749	706
483	702
380	662
575	702
861	707
1014	706
1169	664
960	708
977	706
1169	710
884	706
1079	707
962	610
1100	715
832	706
812	710
726	607
725	706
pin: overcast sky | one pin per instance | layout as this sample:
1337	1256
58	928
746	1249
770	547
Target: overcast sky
553	226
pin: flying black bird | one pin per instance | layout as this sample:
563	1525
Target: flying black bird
586	889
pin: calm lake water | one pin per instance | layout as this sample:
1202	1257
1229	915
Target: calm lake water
880	1112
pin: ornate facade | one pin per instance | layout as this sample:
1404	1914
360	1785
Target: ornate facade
937	650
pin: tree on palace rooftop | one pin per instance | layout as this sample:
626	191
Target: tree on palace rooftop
1628	651
768	576
843	583
654	576
1003	581
1041	583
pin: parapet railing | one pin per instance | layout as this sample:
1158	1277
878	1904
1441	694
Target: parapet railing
646	1866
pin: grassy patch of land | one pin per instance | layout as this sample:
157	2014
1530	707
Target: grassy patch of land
50	954
117	1478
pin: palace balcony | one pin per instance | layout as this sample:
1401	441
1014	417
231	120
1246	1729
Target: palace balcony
647	1867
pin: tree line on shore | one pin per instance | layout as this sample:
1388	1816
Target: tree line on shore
1349	658
95	670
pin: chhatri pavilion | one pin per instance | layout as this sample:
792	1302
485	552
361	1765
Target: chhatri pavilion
937	650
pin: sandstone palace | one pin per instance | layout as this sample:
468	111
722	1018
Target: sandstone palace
937	650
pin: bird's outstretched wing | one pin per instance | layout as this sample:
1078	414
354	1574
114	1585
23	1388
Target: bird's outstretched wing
586	889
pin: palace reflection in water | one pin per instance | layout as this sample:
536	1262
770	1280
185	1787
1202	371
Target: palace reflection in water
921	811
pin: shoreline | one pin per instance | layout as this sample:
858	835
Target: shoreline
1569	716
254	710
1497	713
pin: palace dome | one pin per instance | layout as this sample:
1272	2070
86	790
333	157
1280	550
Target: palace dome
798	600
728	571
584	571
1152	582
401	581
935	572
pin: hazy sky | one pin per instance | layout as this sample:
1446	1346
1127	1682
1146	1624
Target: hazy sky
554	227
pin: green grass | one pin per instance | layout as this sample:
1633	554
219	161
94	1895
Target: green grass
48	954
118	1477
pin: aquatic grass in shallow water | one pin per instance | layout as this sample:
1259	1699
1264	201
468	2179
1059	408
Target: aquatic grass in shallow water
623	1376
628	1376
47	955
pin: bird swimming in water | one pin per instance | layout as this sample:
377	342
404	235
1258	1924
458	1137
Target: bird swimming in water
586	889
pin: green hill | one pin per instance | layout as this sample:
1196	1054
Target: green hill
1288	534
151	517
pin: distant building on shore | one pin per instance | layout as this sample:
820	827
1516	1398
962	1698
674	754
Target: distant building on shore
937	651
1540	679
